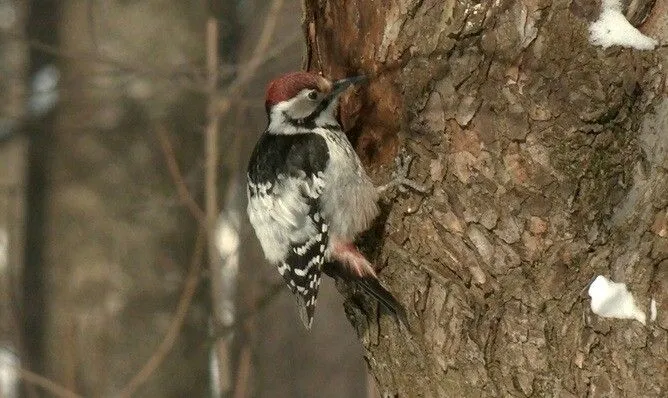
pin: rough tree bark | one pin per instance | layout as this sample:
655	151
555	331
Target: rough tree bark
548	159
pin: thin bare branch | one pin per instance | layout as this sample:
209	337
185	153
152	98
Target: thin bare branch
260	49
92	31
257	58
175	172
219	106
211	139
243	372
244	318
176	324
184	78
267	56
48	385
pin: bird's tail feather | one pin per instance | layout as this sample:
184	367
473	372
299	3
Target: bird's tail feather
372	287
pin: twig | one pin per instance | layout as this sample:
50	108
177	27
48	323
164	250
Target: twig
241	382
91	26
268	55
277	50
150	71
211	161
211	139
193	83
243	318
218	107
48	385
257	58
177	321
174	171
260	49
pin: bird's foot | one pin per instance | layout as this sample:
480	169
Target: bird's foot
400	176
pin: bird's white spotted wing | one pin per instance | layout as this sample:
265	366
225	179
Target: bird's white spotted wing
293	233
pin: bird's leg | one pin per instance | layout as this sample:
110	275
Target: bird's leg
350	264
400	176
353	261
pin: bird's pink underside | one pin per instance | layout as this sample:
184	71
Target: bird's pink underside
351	258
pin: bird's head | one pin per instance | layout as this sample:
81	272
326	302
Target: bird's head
304	99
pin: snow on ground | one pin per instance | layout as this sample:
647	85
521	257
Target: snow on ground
613	300
613	29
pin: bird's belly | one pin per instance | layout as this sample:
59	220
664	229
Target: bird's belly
350	210
350	201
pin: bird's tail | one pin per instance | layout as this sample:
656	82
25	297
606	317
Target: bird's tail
371	286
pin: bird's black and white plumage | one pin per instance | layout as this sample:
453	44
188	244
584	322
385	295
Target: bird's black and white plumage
285	182
308	195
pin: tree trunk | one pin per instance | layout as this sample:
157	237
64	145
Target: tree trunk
13	159
548	162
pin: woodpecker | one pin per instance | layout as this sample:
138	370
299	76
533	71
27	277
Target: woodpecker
308	194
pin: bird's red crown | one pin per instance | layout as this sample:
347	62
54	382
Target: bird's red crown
287	86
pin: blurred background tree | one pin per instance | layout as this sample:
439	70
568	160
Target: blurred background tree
106	285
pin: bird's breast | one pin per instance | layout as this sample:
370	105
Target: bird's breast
349	201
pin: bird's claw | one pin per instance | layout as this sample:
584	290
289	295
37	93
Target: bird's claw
400	176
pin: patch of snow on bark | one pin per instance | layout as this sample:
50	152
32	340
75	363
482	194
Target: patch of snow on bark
613	300
613	29
652	310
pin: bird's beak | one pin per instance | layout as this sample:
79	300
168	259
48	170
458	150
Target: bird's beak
340	86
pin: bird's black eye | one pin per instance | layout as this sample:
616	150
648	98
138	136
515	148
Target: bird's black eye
312	95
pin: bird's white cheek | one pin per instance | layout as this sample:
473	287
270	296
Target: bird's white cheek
299	108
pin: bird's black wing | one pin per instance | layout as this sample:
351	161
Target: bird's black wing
285	180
